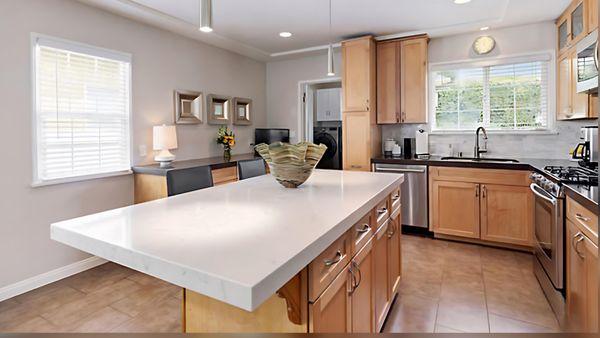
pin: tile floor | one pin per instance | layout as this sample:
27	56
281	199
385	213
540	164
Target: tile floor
446	287
455	287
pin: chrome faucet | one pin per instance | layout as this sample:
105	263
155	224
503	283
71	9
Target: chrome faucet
479	151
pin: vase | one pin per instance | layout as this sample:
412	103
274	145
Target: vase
227	154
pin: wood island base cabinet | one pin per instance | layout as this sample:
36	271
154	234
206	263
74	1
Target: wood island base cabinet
348	288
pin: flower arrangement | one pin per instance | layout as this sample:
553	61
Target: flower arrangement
227	139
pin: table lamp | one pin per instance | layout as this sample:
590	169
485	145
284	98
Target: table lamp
164	139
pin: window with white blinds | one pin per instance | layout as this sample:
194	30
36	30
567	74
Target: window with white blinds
82	110
499	97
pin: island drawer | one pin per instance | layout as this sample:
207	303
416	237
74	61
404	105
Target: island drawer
224	175
583	218
361	233
395	201
323	269
382	213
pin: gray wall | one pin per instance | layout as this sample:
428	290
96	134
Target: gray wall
509	41
162	62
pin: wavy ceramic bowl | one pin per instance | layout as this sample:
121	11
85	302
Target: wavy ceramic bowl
291	164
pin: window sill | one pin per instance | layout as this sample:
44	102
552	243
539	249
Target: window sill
495	132
44	183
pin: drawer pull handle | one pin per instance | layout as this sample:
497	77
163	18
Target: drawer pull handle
582	218
382	211
352	285
395	198
335	260
580	238
365	228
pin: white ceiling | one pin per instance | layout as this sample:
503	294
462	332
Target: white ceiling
251	27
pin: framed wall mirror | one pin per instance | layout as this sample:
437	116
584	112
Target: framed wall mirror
219	109
242	111
189	107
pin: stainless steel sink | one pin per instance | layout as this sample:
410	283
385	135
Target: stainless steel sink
483	159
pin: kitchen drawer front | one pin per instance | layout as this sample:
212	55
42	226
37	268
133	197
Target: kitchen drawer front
583	218
382	212
323	269
395	201
361	233
224	175
476	175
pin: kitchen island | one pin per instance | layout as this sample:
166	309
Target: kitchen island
253	256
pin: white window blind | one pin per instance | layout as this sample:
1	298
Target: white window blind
498	97
82	110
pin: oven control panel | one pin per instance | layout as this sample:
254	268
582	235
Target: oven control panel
546	184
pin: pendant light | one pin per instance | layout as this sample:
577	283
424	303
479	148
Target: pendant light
330	68
206	16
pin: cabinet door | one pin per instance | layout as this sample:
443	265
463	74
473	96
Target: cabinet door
455	208
591	285
388	82
335	104
355	133
394	259
358	58
361	297
413	81
506	214
564	110
564	36
592	14
579	101
381	297
330	313
578	18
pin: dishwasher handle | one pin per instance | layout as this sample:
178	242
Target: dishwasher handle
395	170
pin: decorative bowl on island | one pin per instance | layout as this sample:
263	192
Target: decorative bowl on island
291	164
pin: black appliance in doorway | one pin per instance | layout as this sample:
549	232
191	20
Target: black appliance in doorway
270	135
331	137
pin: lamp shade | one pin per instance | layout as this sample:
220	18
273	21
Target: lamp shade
164	137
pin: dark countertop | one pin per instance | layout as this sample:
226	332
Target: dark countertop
586	195
214	162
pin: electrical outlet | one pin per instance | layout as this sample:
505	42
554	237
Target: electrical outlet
142	150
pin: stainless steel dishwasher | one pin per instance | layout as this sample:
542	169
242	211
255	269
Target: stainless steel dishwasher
414	192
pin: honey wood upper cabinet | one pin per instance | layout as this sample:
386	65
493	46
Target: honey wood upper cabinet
359	74
506	215
455	208
402	81
592	12
572	25
571	105
582	281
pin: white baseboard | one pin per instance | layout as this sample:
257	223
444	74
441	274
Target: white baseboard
35	282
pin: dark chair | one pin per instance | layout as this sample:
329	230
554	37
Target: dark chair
185	180
251	168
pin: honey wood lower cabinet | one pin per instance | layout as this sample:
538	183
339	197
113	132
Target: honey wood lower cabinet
361	290
331	312
394	251
581	268
482	204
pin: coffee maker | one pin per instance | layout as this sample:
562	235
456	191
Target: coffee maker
587	151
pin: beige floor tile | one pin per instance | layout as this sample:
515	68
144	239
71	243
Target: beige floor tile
500	324
164	317
103	320
146	297
444	329
34	325
96	279
412	314
466	316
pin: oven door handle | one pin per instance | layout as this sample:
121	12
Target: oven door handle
541	193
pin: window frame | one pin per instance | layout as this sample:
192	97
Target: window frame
548	56
87	49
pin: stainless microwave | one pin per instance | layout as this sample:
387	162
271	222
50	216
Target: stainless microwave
587	63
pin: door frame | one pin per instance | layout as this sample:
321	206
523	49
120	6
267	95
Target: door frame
305	110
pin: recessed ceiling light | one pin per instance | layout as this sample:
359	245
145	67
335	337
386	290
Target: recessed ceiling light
461	2
285	34
484	28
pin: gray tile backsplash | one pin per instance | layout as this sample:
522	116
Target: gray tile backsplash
548	146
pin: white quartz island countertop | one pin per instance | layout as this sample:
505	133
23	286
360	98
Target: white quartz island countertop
238	243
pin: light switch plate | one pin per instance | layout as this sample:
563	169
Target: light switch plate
143	151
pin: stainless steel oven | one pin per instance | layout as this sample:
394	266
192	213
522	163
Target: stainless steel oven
549	230
587	63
